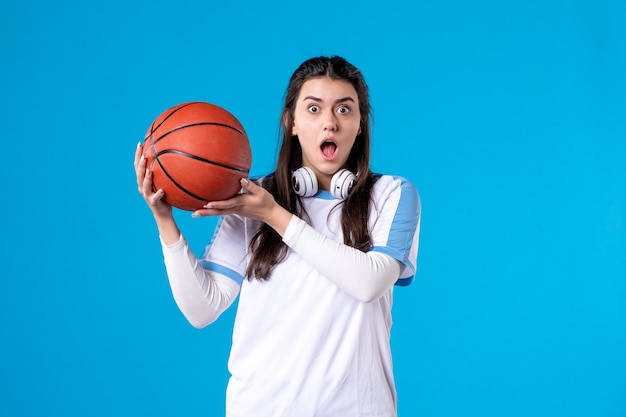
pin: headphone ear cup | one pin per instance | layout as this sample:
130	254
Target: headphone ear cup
304	182
341	183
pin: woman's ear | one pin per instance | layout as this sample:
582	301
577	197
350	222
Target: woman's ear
291	128
294	130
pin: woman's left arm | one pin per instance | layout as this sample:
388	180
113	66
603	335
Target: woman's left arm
365	276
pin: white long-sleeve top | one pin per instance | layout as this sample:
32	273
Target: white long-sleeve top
315	336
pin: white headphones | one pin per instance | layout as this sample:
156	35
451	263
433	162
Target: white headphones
304	182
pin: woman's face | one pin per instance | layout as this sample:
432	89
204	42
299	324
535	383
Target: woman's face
326	120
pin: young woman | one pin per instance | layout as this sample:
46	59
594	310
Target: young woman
313	251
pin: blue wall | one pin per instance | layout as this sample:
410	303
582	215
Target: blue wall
508	116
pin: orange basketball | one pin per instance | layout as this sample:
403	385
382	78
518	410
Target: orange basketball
197	152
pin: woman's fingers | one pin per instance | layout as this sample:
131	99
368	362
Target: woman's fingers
154	199
140	166
137	153
250	186
144	178
254	202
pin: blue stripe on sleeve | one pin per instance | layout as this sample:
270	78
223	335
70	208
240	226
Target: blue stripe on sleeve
403	227
212	266
404	282
405	220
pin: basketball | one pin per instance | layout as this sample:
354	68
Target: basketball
197	152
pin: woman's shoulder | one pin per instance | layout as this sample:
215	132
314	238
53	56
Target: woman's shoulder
394	188
390	183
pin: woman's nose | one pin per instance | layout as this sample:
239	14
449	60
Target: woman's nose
330	121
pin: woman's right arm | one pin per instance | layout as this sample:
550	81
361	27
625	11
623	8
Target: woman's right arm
201	295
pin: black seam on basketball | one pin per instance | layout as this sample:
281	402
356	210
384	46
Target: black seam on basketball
155	141
199	158
180	187
153	129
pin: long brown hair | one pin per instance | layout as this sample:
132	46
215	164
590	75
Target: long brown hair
267	246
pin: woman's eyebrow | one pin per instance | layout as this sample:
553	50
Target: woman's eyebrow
341	100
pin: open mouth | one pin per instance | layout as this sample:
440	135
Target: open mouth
328	149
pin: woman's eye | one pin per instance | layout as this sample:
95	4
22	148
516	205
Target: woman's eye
314	109
343	109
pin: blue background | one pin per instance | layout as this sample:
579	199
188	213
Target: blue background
508	116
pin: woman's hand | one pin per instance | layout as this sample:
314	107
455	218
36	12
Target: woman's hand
255	202
144	183
161	210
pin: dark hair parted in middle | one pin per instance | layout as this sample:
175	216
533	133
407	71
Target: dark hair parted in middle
266	246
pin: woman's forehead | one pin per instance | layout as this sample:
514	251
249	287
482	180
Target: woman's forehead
327	89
